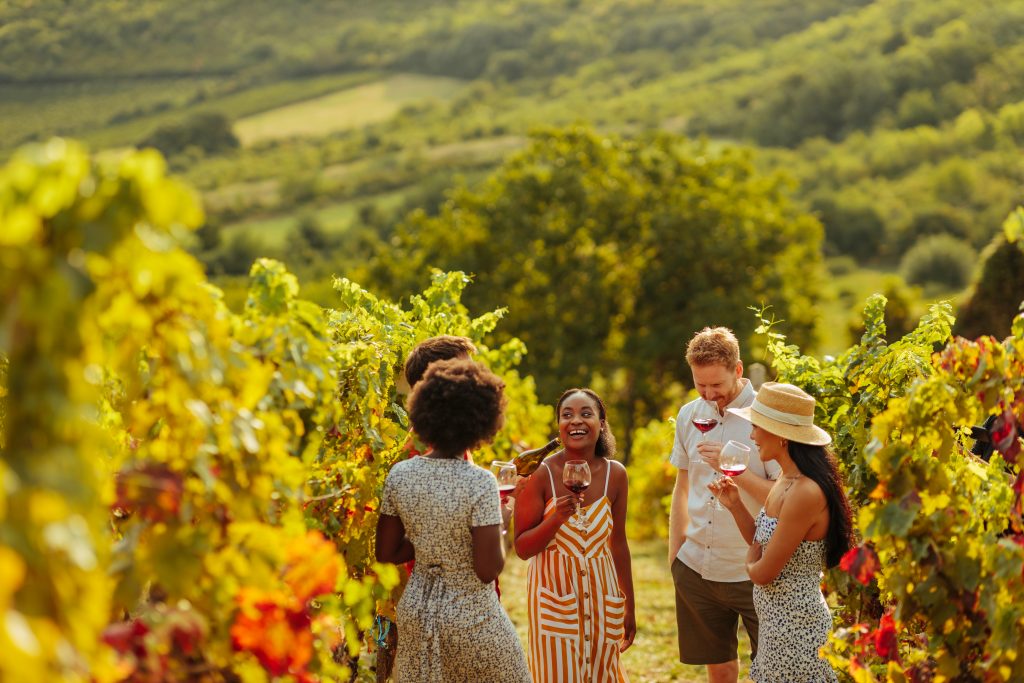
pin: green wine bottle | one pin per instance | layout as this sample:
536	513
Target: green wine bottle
528	461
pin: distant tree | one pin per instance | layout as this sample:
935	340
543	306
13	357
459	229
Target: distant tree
998	294
939	259
208	131
611	253
854	228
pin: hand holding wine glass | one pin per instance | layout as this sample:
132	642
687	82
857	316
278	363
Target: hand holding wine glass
505	473
733	461
576	477
734	458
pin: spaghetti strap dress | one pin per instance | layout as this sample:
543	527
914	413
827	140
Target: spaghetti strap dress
575	606
793	618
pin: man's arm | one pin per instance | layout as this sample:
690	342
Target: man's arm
678	517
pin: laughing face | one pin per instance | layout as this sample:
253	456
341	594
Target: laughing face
579	421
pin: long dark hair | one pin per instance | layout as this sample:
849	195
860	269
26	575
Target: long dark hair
605	447
818	463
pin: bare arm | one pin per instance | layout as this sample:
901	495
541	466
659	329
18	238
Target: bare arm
800	510
392	545
678	517
488	552
533	530
620	551
729	495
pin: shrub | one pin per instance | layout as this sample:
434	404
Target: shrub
939	259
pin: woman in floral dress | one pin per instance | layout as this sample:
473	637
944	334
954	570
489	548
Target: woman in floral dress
443	511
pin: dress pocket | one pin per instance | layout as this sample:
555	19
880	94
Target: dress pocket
614	617
558	614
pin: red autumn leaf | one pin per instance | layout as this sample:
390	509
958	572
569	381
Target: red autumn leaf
886	644
861	562
274	629
125	636
313	566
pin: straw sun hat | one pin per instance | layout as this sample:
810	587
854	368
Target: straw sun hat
787	411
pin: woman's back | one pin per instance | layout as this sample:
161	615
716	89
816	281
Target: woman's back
453	627
439	500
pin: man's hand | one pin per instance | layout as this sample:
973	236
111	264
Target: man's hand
710	451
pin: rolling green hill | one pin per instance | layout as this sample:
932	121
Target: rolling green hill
898	120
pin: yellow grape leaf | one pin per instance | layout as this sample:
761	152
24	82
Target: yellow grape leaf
21	225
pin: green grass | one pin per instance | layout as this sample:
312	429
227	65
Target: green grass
348	108
654	655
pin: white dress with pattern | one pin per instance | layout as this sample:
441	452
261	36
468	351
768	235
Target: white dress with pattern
794	619
452	629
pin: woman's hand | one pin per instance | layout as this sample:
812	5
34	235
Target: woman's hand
727	491
629	630
565	506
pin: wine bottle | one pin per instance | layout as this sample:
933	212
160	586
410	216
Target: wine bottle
528	461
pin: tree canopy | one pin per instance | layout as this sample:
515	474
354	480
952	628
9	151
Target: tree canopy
610	253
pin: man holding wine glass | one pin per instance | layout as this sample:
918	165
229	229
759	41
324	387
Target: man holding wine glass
706	551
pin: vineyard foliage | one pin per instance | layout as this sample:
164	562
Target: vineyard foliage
935	589
187	492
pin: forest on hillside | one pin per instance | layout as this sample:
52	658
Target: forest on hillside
318	131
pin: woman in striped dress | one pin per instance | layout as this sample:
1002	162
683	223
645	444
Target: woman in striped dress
580	582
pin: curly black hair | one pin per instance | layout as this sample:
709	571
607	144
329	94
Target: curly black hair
605	447
457	405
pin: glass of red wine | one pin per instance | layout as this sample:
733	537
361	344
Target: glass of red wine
505	473
704	424
734	458
576	477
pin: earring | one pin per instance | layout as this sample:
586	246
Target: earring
783	442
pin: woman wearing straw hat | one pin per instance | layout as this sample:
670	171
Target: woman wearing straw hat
805	524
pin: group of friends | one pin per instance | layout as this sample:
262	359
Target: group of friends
748	547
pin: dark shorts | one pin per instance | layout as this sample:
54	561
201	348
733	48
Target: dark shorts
708	614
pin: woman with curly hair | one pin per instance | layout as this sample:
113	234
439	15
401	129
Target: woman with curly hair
443	511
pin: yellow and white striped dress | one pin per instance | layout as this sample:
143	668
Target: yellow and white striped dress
576	608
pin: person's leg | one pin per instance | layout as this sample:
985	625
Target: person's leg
706	627
742	601
727	672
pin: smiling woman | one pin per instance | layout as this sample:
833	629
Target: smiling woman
580	579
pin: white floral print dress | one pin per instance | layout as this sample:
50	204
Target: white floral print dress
793	618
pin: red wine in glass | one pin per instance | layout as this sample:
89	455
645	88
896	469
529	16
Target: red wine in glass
576	486
705	424
734	470
504	490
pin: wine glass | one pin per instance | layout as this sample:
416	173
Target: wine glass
704	420
734	458
576	477
505	473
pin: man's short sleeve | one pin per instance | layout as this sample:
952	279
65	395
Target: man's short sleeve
679	458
